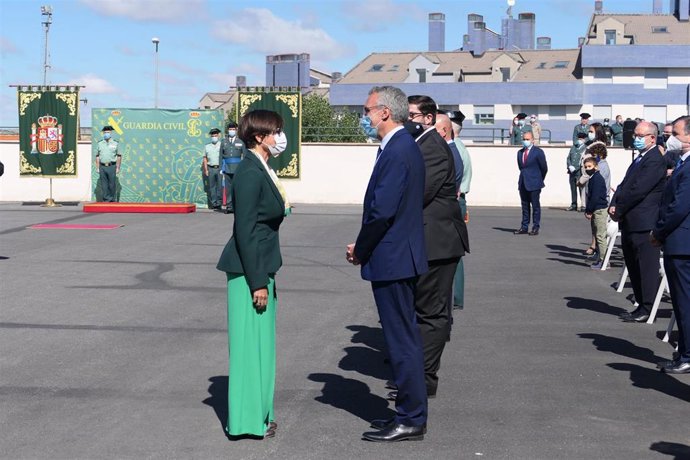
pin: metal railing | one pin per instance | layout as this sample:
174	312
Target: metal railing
489	135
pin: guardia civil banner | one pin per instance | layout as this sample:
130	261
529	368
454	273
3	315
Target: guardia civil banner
48	124
161	150
289	105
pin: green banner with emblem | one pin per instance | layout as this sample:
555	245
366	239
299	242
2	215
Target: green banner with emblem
289	105
161	151
48	125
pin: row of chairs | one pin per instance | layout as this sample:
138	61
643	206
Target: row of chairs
613	234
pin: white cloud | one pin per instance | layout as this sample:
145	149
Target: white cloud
6	46
148	10
261	31
94	84
367	16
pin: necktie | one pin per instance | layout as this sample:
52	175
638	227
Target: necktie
678	163
378	153
524	157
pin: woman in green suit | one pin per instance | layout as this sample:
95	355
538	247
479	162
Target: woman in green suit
251	259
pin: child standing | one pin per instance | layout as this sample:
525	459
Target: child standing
596	208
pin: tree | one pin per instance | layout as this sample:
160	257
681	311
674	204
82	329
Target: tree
320	123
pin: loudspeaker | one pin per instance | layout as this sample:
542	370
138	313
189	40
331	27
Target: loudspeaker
629	133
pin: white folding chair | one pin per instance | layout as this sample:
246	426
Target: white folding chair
669	328
663	287
612	235
624	277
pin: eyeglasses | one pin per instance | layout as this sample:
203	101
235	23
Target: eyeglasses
369	109
413	115
643	135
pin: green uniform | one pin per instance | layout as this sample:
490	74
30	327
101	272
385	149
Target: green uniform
579	128
574	171
231	153
459	278
617	132
518	131
215	193
106	155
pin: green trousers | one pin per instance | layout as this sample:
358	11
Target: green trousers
252	362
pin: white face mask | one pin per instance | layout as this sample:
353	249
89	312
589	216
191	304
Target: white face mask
281	144
591	136
673	143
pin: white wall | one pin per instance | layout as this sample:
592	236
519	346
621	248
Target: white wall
335	174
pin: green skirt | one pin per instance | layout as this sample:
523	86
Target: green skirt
252	362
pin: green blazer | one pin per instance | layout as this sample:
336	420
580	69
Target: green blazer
254	249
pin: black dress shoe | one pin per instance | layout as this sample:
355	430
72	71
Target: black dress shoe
678	368
639	318
521	231
382	424
534	232
396	432
391	385
630	314
663	364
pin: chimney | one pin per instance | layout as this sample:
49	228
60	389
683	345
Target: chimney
336	76
598	6
657	7
543	43
437	32
580	41
241	81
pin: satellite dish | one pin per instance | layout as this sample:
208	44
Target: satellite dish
511	2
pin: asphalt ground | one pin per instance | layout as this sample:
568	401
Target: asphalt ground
113	345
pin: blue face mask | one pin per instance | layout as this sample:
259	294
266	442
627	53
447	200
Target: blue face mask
214	139
365	123
107	136
526	143
639	143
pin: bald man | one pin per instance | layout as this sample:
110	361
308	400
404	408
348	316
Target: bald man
635	206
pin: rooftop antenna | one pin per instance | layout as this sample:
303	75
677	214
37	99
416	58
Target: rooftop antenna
509	11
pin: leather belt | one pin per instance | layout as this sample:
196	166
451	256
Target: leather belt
108	164
213	166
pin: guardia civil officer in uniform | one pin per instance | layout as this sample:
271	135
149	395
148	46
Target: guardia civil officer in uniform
520	129
211	165
231	153
617	131
582	127
108	160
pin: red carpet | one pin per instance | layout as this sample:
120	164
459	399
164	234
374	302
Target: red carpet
166	208
77	226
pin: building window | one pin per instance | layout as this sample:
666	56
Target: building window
599	112
655	113
505	73
659	29
207	107
560	64
610	35
483	114
557	112
394	68
422	75
603	76
376	68
530	110
655	78
542	65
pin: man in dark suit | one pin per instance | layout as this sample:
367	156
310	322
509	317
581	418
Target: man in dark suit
445	234
672	230
531	162
390	248
635	206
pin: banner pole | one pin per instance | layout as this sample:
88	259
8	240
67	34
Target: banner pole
50	202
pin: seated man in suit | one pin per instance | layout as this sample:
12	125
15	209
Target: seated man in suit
672	230
532	165
635	206
390	248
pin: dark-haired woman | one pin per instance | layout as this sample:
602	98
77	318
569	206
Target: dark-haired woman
251	259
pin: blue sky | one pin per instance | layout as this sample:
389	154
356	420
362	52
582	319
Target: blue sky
204	44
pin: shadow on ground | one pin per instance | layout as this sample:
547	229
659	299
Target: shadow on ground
580	303
679	451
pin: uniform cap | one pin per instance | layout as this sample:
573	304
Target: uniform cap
214	131
107	128
585	115
232	124
521	116
456	116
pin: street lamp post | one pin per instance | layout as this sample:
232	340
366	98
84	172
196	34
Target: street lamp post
156	41
46	11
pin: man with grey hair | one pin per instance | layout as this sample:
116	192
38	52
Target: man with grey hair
635	206
390	248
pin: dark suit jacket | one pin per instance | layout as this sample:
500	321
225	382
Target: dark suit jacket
673	226
533	173
445	231
254	249
390	245
458	164
637	198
